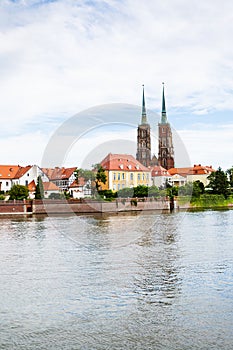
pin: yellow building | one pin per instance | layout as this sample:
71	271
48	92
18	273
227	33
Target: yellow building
123	170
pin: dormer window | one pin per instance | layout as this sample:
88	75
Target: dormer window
121	166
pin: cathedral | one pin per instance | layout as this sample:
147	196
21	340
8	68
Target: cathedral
166	149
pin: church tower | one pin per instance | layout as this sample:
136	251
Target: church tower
166	150
143	139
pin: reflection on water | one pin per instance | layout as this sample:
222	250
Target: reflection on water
129	281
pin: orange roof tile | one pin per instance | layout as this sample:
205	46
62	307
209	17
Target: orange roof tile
81	182
50	186
8	171
122	162
59	173
159	171
32	186
21	171
195	170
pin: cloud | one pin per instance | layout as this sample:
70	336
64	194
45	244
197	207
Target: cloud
60	57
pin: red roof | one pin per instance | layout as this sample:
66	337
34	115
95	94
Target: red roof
59	173
81	182
21	171
32	186
159	171
8	171
124	162
195	170
50	186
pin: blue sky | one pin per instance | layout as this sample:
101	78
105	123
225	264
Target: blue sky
60	58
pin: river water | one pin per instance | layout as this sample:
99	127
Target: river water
128	281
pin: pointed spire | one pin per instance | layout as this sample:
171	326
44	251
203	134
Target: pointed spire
144	119
164	114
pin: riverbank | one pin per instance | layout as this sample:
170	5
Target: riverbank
29	207
85	206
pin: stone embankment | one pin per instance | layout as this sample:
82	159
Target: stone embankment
81	206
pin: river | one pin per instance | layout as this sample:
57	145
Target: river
128	281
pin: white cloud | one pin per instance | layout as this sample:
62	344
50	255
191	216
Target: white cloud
58	58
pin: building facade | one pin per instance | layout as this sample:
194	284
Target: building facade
123	170
143	137
166	149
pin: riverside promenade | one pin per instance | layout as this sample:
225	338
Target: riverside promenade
46	206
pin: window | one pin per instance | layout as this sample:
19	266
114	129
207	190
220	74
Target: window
119	176
114	176
119	186
123	185
7	183
114	187
139	176
143	176
131	176
26	182
123	176
147	176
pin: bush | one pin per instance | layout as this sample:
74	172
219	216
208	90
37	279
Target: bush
2	197
56	196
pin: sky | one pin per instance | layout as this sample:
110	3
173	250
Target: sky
72	74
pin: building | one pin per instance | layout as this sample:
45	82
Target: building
17	175
123	170
7	174
27	174
160	176
143	137
81	189
166	149
191	174
61	177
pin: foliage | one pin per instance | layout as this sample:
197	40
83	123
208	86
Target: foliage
153	191
39	193
125	192
56	196
172	191
140	191
101	177
209	200
218	183
85	173
229	172
18	192
194	189
2	197
107	194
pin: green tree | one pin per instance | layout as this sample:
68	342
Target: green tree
141	191
229	172
218	183
125	192
153	191
39	193
101	177
18	192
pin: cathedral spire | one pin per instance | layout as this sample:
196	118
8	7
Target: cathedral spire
144	119
164	114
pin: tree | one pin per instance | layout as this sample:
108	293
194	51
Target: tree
218	183
101	177
140	191
39	193
229	172
18	192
